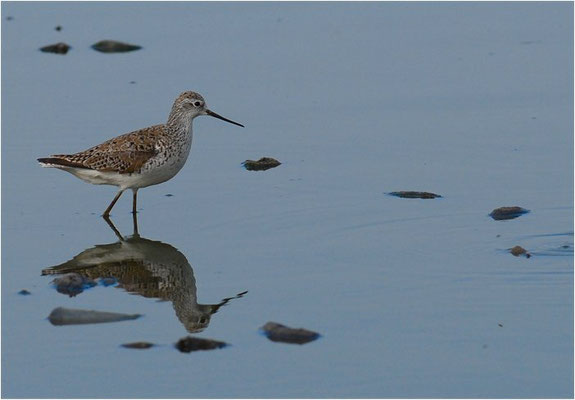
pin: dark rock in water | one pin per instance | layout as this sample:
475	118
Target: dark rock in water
112	46
261	165
519	251
72	284
58	28
414	195
24	292
70	316
9	18
108	281
138	345
58	48
169	195
281	333
189	344
503	213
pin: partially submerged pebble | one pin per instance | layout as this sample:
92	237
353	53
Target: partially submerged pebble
414	195
72	284
71	316
58	28
24	292
189	344
108	281
112	46
519	251
503	213
138	345
281	333
58	48
262	164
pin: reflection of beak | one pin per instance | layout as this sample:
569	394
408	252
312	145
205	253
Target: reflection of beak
213	114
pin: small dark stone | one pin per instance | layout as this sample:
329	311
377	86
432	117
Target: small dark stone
58	28
169	195
138	345
281	333
132	82
500	325
112	46
108	281
71	316
519	251
189	344
9	18
262	164
72	284
503	213
414	195
24	292
58	48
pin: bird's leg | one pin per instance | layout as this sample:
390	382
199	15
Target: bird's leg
135	222
111	225
107	212
135	201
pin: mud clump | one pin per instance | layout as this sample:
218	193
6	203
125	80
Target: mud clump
72	284
112	46
281	333
504	213
519	251
108	281
71	316
138	345
189	344
414	195
262	164
58	48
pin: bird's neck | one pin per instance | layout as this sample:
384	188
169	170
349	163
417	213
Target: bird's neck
180	122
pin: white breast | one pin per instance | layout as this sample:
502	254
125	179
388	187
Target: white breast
166	164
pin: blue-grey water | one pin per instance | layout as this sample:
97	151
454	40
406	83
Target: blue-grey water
413	298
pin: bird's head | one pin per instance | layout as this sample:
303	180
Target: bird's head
192	104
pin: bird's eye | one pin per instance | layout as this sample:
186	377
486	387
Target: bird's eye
197	103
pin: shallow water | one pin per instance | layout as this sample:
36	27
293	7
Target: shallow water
413	298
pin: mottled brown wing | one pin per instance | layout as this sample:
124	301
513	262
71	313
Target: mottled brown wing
123	154
123	162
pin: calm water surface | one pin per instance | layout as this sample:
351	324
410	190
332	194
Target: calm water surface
413	298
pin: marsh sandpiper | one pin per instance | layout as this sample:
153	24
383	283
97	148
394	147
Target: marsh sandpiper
141	158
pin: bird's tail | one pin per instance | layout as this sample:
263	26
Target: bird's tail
56	162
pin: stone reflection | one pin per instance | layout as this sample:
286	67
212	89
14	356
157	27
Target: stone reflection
147	268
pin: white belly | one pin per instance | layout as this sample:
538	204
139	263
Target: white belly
158	169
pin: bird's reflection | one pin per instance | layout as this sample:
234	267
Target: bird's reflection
148	268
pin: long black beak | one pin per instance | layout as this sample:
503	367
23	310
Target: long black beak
213	114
